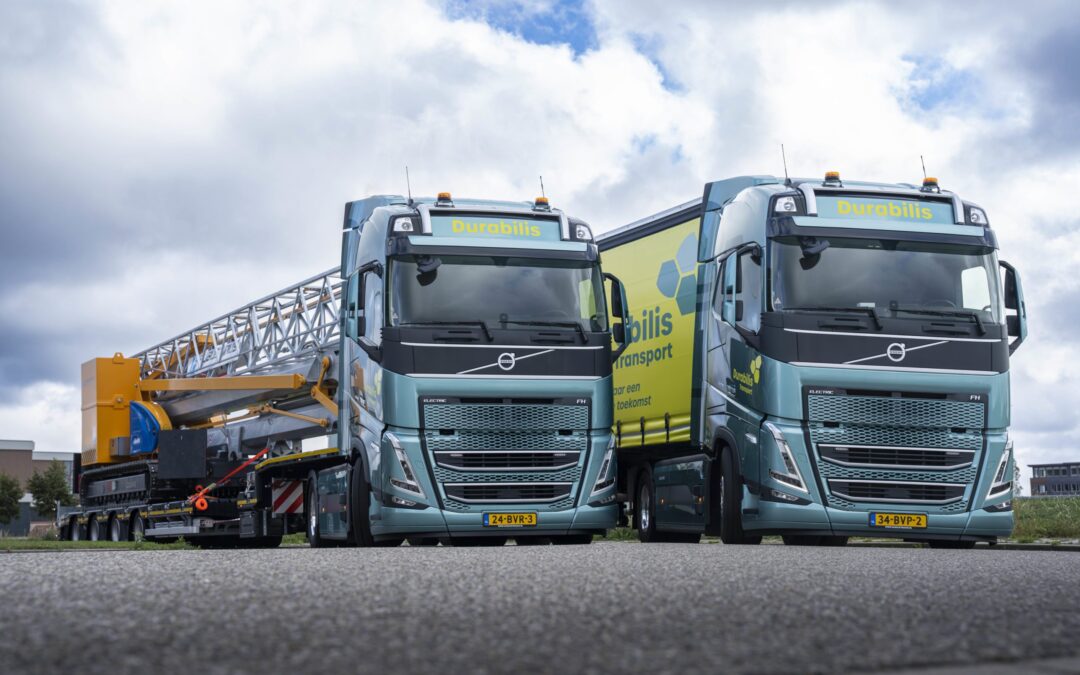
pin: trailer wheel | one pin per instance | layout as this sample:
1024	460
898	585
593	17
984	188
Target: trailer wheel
93	529
73	529
136	527
645	507
731	531
311	512
113	528
360	494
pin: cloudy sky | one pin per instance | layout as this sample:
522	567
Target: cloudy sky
162	163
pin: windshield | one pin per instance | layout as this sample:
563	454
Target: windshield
886	275
498	290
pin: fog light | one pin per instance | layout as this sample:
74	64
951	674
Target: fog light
783	495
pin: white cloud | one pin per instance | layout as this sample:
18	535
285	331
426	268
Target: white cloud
200	156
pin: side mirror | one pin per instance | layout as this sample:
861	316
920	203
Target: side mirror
620	309
355	320
1015	323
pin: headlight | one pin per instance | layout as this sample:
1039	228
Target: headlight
409	484
791	476
605	477
1002	483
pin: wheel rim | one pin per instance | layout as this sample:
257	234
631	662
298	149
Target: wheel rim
138	530
114	530
74	530
720	496
644	501
92	530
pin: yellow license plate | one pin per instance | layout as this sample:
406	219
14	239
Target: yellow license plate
903	520
509	520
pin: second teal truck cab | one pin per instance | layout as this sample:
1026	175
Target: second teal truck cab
847	371
475	383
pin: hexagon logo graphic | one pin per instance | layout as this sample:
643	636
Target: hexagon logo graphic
678	277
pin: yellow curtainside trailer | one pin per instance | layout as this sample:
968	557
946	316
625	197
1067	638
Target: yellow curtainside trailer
653	376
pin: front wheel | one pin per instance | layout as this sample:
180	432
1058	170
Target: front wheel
645	508
311	512
730	498
359	507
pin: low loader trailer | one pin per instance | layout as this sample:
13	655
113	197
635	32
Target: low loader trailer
458	364
816	359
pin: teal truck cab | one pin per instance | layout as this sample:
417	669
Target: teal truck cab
475	377
846	366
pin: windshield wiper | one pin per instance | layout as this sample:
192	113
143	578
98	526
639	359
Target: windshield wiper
941	312
870	311
482	324
564	324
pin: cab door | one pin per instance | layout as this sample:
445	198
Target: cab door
735	362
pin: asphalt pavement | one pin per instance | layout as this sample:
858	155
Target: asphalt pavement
608	607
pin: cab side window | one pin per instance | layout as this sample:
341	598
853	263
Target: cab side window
748	290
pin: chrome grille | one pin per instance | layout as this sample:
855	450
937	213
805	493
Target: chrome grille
478	458
896	449
494	416
494	460
507	493
898	492
862	456
889	411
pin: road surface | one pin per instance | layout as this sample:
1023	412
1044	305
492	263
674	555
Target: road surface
608	607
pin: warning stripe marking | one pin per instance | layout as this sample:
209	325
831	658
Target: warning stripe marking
288	496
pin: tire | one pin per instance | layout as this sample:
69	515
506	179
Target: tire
645	508
359	501
393	542
74	533
113	528
834	540
572	540
951	544
93	529
136	527
730	499
311	512
802	540
423	541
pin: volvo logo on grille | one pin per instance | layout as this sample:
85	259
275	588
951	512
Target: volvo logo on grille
896	352
507	361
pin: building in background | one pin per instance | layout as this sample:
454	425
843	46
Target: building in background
1055	480
19	460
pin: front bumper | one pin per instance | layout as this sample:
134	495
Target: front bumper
433	522
775	517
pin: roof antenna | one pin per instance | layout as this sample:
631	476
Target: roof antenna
783	155
923	166
408	186
542	193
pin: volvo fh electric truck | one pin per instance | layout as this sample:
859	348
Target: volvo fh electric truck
816	359
459	364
